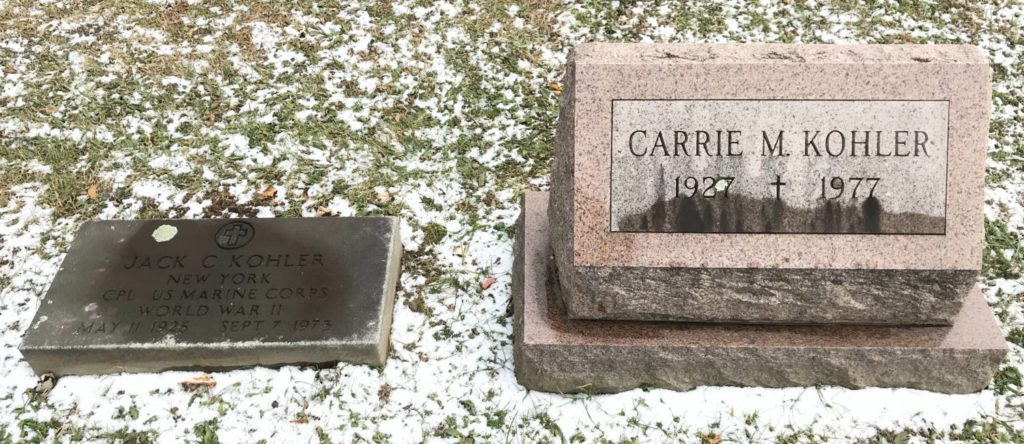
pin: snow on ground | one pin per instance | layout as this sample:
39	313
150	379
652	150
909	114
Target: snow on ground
441	113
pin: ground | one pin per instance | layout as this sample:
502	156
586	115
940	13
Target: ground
441	113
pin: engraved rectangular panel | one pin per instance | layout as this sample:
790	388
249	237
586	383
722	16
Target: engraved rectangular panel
160	294
779	166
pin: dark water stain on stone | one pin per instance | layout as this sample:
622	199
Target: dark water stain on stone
658	216
872	210
742	214
723	216
833	216
688	219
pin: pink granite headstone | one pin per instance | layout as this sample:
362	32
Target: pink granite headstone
831	194
770	183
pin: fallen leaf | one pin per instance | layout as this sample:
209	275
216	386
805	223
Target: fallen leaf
488	282
50	110
46	383
301	421
324	211
92	191
198	381
555	87
268	193
11	70
714	439
322	21
298	27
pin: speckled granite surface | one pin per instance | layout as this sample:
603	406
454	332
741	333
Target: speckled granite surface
556	354
785	278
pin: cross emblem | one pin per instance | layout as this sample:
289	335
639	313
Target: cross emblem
778	186
234	234
231	236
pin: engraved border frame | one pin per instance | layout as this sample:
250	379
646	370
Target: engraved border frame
611	169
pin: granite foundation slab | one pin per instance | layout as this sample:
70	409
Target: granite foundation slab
770	240
765	296
153	295
557	354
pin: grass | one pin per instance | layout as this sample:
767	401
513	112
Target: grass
206	432
126	436
458	123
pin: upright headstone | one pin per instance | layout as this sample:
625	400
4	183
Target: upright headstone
832	193
770	183
153	295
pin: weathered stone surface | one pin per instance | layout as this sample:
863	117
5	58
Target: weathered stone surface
906	252
210	294
756	295
554	353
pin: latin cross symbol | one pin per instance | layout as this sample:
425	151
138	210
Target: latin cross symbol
778	186
232	234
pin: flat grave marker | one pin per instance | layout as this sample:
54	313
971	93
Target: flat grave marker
151	295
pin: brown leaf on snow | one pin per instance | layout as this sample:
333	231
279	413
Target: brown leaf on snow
324	211
268	193
488	282
301	421
46	383
198	381
555	87
50	110
92	191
